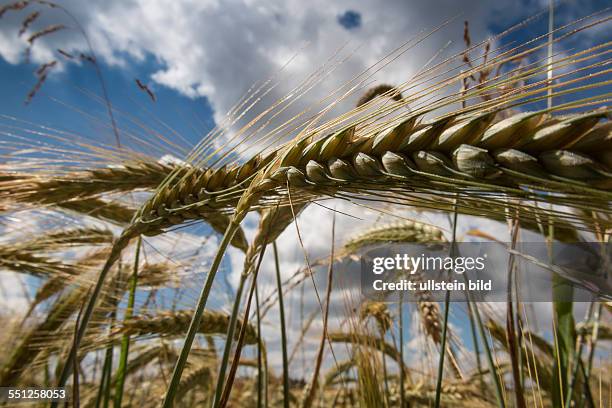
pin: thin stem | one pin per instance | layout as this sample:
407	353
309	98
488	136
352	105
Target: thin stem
498	387
279	288
106	98
577	360
229	340
75	381
401	350
513	347
104	392
125	340
234	367
592	345
311	389
474	340
259	346
197	316
104	377
445	323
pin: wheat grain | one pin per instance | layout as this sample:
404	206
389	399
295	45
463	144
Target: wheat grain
438	150
22	260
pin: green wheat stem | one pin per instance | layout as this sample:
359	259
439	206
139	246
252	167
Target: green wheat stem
401	350
513	346
105	386
125	340
492	369
103	378
445	323
593	342
281	306
563	328
227	389
168	402
259	360
229	340
474	339
577	361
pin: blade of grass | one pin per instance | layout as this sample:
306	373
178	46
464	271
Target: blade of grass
564	334
260	378
592	345
125	340
401	350
229	340
279	288
109	357
118	246
577	360
492	368
75	369
445	321
511	335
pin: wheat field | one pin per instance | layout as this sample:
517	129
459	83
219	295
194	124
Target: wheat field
125	250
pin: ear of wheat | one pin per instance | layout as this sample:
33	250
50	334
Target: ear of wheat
176	323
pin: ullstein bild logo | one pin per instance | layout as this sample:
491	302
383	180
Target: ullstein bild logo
480	271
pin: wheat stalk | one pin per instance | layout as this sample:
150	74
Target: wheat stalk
403	231
45	189
174	323
98	208
413	157
23	260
